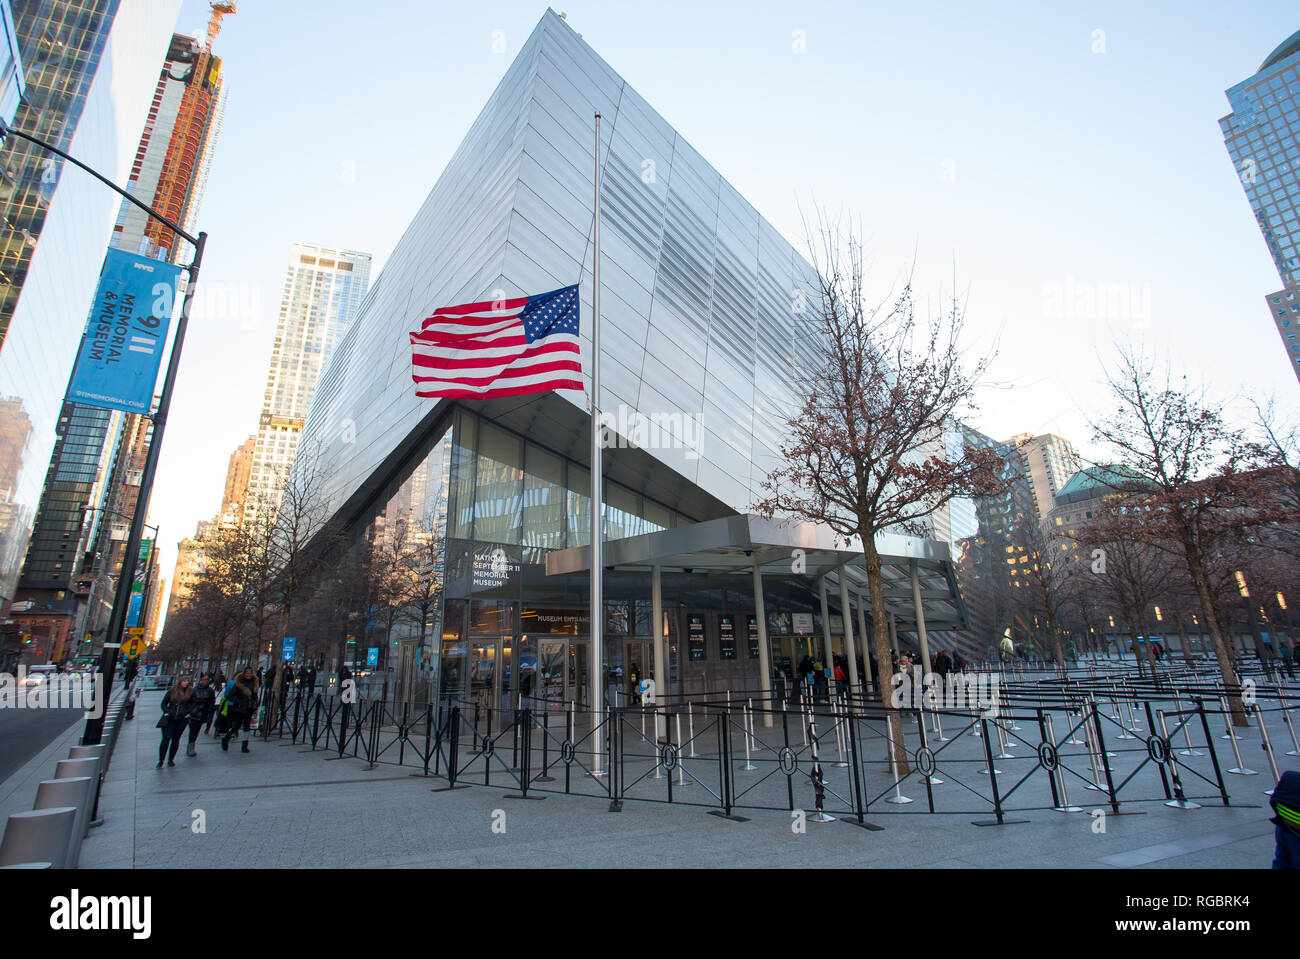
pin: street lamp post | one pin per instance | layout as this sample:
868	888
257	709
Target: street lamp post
94	588
122	595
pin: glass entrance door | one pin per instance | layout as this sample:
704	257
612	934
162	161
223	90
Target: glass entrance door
552	672
482	671
638	663
562	671
493	680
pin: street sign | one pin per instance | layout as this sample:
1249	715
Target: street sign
133	647
290	643
372	656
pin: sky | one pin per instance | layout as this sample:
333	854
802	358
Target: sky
1059	166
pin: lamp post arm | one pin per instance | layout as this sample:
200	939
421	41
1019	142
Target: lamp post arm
6	130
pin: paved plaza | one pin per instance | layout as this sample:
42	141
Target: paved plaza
285	806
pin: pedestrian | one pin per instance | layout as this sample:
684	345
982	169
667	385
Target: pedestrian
1286	803
175	714
201	709
132	695
241	700
526	686
219	685
942	664
286	682
309	679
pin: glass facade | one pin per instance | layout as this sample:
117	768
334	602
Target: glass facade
700	295
491	503
90	68
1262	134
700	339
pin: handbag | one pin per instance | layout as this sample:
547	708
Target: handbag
162	721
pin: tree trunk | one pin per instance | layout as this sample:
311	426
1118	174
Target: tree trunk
1201	581
880	641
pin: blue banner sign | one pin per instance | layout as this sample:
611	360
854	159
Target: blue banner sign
290	642
372	656
117	363
137	586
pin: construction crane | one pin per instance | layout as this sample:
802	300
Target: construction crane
219	10
199	101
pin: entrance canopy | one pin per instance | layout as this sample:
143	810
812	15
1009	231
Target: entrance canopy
736	544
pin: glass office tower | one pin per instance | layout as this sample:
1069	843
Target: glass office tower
1262	134
90	68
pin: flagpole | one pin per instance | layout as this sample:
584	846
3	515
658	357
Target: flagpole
597	605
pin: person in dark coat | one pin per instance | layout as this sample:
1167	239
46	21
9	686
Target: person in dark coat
1286	803
175	714
201	709
241	701
308	678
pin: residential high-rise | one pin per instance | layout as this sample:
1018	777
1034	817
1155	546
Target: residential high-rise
1262	134
323	289
1049	462
88	69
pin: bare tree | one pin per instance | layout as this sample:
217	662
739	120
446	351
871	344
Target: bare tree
866	453
1173	438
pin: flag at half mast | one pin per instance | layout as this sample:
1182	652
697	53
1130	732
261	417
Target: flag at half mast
500	347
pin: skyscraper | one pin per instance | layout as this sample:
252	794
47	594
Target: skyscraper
323	289
1262	134
89	67
1049	461
71	549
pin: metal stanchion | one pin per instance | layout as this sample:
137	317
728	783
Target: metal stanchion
840	744
818	781
1267	745
938	727
1058	772
1002	740
1286	715
1180	801
1227	719
681	767
749	766
659	759
1240	769
1093	757
1187	732
690	725
898	799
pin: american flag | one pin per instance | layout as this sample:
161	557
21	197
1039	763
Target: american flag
500	347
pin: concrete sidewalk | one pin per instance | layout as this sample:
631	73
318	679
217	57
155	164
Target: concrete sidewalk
284	806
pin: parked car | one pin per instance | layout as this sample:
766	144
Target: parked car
156	682
39	674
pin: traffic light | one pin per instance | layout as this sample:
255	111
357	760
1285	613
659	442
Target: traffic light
27	639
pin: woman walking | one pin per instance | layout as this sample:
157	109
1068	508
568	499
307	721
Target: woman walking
241	700
205	699
175	714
